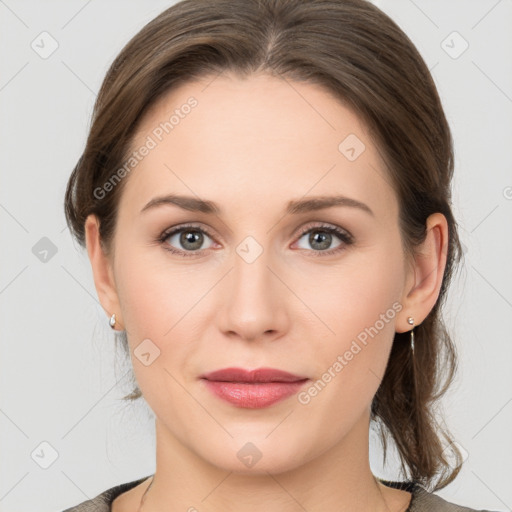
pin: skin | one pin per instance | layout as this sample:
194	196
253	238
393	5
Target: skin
248	143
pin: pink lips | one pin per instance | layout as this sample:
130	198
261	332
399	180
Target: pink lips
253	389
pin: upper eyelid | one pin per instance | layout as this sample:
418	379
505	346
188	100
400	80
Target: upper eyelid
325	225
176	229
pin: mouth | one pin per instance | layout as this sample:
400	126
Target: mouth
253	389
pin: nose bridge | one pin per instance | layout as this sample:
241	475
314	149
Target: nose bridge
254	303
252	279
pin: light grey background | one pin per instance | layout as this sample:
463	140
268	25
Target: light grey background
60	378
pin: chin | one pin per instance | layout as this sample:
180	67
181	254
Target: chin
258	457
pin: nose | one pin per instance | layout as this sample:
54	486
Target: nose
254	301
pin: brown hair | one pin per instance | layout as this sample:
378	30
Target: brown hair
359	54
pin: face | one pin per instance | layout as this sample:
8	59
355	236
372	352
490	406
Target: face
261	281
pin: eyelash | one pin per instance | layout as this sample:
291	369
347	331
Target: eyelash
344	236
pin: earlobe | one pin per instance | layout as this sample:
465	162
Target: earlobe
102	270
427	272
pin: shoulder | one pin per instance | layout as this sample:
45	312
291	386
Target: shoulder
102	502
424	501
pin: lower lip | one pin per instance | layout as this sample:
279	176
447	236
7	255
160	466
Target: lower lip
254	396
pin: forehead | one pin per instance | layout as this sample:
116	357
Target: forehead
256	140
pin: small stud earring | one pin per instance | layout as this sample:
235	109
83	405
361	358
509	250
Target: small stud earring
112	321
410	321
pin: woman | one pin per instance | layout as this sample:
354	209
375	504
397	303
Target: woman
265	201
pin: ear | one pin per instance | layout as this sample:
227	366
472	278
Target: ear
425	275
102	271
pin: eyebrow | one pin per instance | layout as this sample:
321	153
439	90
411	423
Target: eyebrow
293	207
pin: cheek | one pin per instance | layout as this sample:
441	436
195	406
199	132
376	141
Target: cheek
155	296
359	305
354	295
160	309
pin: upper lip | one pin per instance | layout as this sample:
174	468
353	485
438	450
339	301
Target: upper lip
257	375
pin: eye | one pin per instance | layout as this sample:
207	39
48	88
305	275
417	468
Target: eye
321	237
189	240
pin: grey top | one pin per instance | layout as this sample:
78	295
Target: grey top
421	501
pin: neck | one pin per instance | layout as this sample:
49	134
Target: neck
340	479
